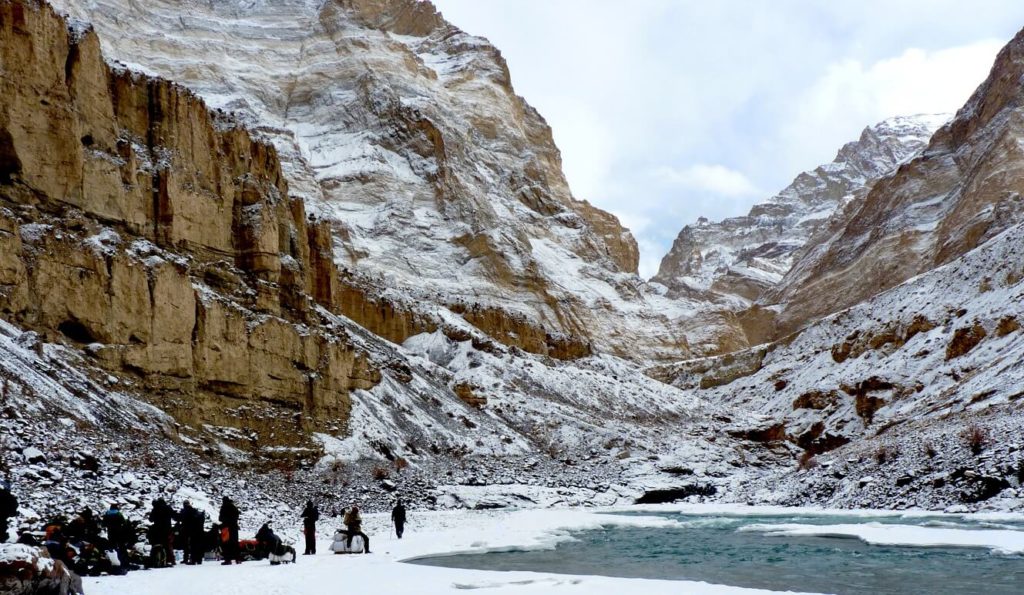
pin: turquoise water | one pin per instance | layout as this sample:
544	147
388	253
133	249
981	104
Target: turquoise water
712	549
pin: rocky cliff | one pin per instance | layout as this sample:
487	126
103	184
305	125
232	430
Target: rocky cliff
168	300
443	187
736	261
962	190
163	241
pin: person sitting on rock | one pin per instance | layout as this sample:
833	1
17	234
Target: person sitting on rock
354	523
268	541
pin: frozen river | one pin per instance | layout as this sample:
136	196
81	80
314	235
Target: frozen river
844	554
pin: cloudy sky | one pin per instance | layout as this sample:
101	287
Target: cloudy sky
667	110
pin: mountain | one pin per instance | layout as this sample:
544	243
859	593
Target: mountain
962	190
443	187
321	249
895	365
736	261
173	318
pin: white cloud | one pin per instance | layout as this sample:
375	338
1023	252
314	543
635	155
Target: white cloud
752	92
850	95
716	179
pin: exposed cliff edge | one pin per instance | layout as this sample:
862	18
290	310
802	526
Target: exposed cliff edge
443	187
961	191
166	296
737	261
163	240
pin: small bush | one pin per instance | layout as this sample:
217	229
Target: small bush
401	463
380	473
884	454
976	439
807	461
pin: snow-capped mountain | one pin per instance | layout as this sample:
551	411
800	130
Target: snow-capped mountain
962	190
443	187
737	260
159	281
326	242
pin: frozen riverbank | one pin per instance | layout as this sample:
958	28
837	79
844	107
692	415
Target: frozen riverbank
429	534
454	532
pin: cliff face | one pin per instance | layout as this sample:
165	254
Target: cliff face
961	191
443	187
736	261
162	241
152	253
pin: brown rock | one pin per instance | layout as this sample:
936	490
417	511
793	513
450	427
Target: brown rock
964	340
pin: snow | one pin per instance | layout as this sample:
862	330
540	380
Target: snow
428	534
1001	541
453	532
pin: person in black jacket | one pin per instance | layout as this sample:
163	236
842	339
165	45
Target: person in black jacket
118	533
310	515
398	517
160	532
193	521
229	522
8	508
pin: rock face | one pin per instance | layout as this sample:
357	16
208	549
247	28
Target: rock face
736	261
165	296
443	187
164	241
960	192
898	337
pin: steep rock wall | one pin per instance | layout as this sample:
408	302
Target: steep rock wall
162	239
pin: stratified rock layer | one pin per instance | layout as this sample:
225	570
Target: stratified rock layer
961	191
443	187
162	240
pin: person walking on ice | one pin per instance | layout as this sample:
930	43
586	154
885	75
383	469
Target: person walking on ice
398	517
310	515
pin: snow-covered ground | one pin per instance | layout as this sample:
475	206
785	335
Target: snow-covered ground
449	532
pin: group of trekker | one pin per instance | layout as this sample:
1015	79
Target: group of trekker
92	544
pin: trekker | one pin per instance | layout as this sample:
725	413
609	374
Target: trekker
192	531
268	542
354	523
310	515
398	517
117	530
229	522
160	532
8	508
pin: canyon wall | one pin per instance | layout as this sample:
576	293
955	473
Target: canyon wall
163	240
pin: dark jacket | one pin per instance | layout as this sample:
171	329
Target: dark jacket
162	516
116	526
310	515
192	520
8	503
398	514
229	514
269	541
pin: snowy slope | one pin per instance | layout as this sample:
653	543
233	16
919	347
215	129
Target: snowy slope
736	260
405	132
925	363
960	191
